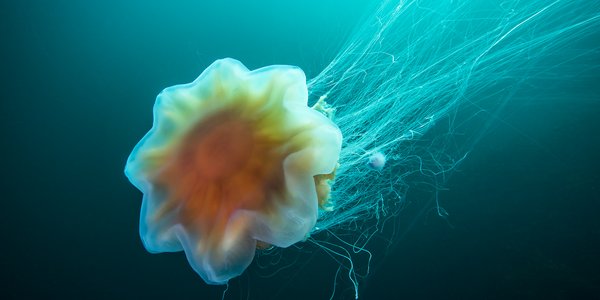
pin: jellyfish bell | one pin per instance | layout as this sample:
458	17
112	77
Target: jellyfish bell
376	161
235	161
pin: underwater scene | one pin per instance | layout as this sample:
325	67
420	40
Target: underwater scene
317	149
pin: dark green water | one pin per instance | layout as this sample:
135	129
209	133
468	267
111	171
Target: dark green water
79	80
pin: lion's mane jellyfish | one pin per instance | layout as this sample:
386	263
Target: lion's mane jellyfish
235	161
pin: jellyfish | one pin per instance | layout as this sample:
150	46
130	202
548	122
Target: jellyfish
376	161
241	160
235	161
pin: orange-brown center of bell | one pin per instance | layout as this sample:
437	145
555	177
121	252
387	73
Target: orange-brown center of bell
221	150
222	165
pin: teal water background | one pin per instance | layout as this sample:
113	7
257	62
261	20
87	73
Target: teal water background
79	80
